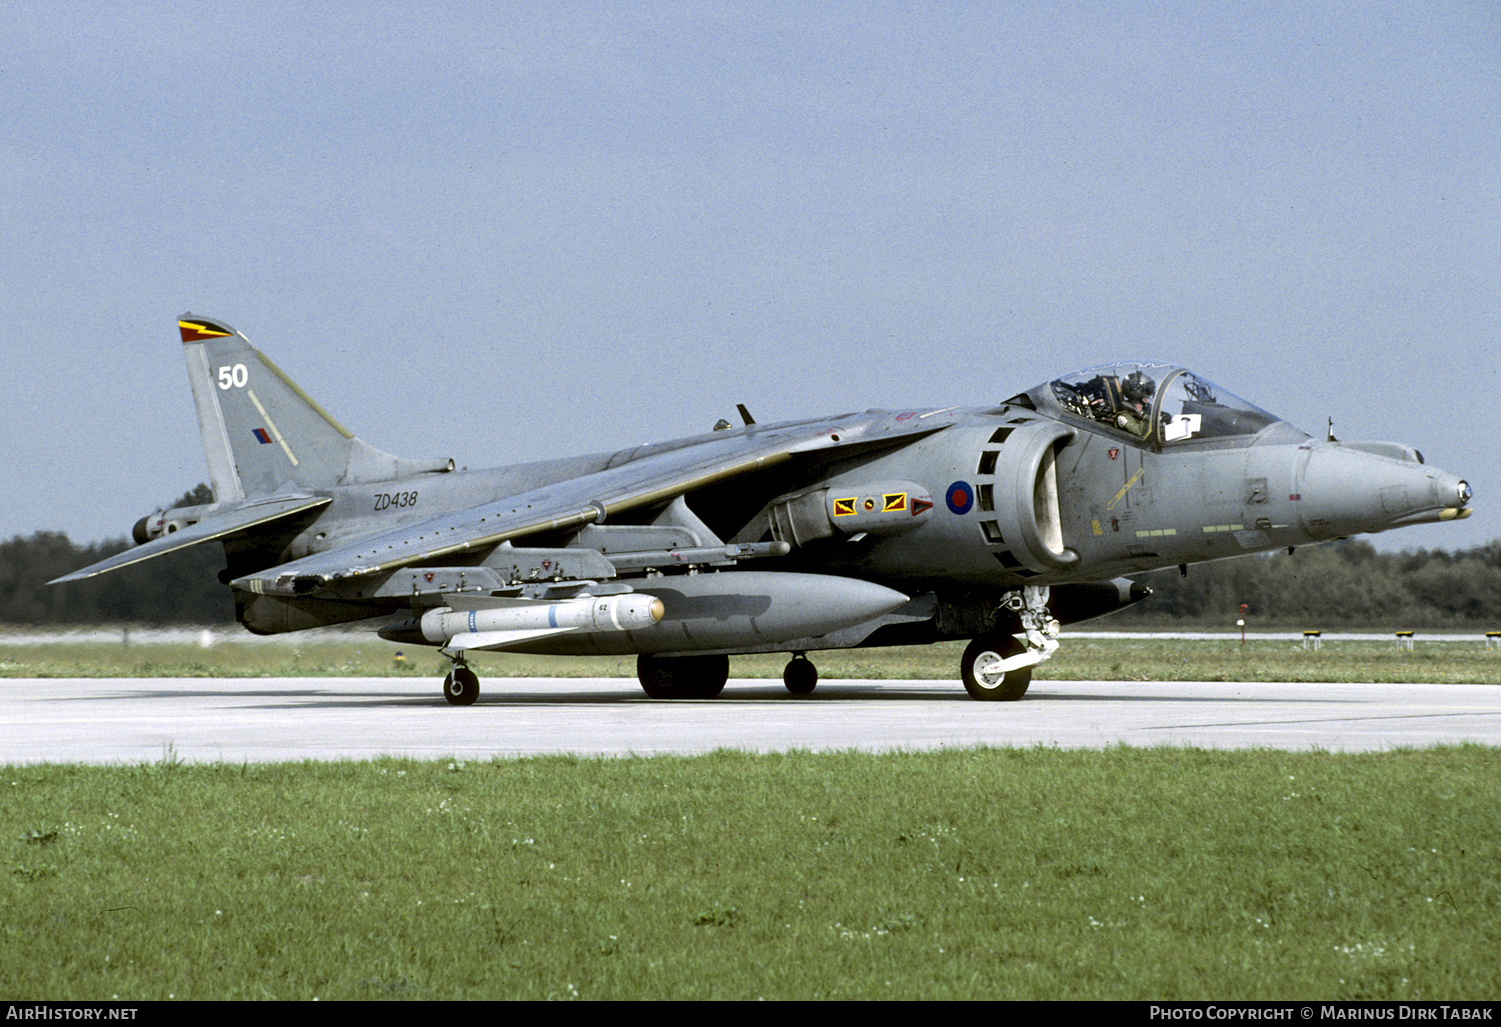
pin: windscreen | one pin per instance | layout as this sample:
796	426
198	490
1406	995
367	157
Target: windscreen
1159	403
1193	408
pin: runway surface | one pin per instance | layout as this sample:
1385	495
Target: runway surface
234	720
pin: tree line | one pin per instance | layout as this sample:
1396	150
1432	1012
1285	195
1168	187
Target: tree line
1342	584
1339	584
179	588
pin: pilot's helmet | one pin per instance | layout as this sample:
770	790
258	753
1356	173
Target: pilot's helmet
1138	387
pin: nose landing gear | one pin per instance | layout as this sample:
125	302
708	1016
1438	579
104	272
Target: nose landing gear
998	666
990	671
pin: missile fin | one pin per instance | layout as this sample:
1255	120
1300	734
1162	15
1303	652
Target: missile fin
495	640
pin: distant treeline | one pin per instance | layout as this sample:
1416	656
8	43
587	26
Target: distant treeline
181	588
1346	584
1341	584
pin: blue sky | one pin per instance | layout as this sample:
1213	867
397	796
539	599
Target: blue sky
502	231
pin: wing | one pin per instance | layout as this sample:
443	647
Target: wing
588	499
243	519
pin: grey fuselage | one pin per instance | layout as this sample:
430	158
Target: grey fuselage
1024	494
884	527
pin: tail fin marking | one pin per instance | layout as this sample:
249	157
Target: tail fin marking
261	431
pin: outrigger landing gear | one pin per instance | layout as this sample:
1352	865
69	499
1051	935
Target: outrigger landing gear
461	686
800	676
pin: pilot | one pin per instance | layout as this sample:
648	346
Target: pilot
1136	395
1121	402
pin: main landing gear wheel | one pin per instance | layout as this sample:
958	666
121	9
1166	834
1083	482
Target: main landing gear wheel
981	669
682	677
800	676
461	687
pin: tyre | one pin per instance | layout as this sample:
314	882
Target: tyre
461	687
682	677
800	676
983	677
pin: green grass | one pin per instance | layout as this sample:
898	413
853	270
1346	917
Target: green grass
1133	659
1036	873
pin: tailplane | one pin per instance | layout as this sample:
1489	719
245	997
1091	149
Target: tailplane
261	432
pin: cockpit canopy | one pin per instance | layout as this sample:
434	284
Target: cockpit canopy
1157	403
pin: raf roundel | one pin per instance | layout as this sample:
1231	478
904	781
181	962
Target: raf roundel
960	497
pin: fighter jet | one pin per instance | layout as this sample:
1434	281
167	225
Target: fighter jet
997	524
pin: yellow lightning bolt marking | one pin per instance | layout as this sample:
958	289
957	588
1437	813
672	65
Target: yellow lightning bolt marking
201	329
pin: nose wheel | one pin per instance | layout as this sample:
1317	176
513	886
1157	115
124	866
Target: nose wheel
990	670
997	667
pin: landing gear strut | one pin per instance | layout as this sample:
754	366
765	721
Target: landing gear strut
998	666
461	686
800	676
682	677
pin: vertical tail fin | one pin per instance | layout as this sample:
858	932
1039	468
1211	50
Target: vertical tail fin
261	431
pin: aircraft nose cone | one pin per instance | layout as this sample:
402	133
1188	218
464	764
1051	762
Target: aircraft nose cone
1350	488
1451	497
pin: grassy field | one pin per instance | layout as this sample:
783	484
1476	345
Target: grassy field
1123	874
1135	659
1043	874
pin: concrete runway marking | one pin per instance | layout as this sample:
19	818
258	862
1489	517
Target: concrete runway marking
280	719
